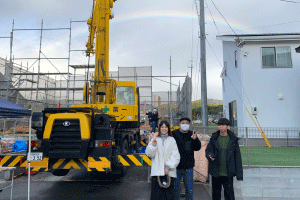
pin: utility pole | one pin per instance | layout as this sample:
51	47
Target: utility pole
171	91
204	113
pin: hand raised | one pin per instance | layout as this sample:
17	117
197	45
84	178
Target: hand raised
154	140
154	134
194	136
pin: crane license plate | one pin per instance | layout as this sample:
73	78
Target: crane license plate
37	156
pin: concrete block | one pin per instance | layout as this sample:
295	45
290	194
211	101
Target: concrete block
272	192
290	198
271	182
290	172
252	198
251	181
270	172
252	172
236	183
251	192
291	193
237	192
291	182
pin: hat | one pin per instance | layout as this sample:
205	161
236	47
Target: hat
185	118
223	121
154	110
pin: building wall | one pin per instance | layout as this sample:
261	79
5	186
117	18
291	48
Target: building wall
232	87
254	86
264	85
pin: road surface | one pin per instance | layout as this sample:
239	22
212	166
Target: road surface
88	185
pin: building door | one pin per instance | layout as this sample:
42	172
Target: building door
233	114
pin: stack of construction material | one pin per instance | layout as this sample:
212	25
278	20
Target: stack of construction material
18	129
6	145
146	127
201	163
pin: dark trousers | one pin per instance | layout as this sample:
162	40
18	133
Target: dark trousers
227	183
153	125
158	193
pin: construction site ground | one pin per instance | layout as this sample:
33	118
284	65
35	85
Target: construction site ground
86	185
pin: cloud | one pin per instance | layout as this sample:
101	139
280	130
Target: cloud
143	33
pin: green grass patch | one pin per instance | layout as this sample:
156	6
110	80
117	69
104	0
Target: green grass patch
274	156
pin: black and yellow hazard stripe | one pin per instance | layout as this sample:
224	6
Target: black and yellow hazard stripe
75	163
12	160
134	160
144	143
18	161
68	163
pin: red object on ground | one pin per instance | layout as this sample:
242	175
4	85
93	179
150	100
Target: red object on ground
58	105
31	172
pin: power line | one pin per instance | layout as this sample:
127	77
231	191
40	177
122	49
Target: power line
260	27
243	89
290	1
214	53
198	45
223	17
212	18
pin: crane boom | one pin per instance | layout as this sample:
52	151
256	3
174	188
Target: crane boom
99	30
106	125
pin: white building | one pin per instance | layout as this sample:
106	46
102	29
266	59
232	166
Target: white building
261	72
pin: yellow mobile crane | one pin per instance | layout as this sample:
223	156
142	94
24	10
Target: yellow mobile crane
91	136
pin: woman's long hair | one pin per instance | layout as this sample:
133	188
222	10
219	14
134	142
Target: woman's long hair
167	124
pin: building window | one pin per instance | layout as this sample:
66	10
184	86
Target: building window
273	57
233	114
235	59
223	84
125	95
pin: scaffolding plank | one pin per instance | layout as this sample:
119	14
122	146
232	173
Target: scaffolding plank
82	66
30	73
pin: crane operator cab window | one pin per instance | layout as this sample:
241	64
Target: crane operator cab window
125	95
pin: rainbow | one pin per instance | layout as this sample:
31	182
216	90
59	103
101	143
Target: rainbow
82	30
179	15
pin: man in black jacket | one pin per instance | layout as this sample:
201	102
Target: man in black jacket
225	161
187	142
155	119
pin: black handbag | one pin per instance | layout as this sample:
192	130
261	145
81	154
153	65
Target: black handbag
164	181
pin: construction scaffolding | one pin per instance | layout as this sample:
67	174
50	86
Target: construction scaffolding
45	80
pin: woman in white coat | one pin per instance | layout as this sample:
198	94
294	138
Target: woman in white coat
165	158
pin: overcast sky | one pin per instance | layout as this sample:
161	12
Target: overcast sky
143	33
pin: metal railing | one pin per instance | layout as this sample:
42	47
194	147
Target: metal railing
284	150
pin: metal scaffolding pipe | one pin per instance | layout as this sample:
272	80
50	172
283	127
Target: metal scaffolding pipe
32	89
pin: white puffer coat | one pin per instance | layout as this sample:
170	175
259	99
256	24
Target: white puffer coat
166	155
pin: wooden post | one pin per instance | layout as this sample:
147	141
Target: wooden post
145	109
159	106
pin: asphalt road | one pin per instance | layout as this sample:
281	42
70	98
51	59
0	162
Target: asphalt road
87	185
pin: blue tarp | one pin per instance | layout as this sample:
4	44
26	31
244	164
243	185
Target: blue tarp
8	109
20	145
